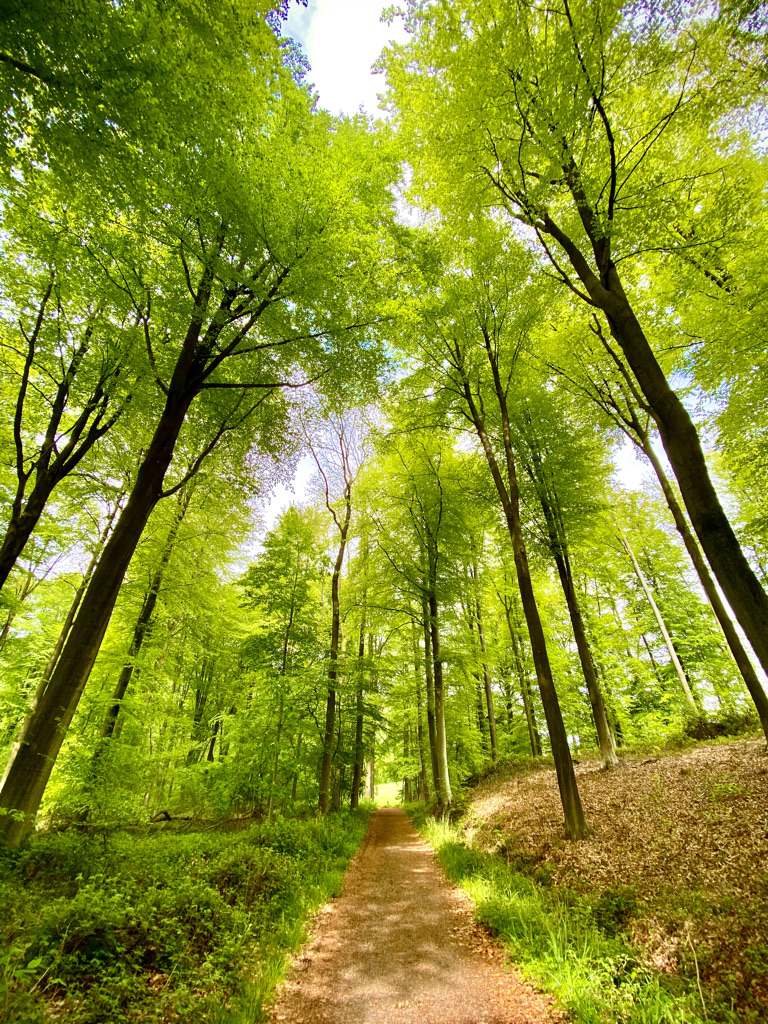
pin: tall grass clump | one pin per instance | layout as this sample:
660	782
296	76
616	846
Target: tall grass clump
563	942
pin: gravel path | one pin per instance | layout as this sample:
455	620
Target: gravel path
400	946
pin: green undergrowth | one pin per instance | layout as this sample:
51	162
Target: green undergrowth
567	944
157	927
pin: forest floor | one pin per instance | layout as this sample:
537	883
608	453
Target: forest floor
401	946
677	861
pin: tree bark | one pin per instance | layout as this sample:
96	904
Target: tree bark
576	826
357	773
30	770
445	796
679	436
689	698
145	618
423	779
28	774
486	671
430	684
330	704
740	656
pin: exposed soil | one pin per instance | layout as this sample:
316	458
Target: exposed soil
400	946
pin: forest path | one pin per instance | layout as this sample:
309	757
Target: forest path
400	946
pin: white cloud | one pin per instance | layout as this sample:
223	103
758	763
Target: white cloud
342	39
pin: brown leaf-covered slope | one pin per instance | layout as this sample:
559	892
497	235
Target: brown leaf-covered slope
685	834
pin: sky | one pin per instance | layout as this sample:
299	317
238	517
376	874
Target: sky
342	39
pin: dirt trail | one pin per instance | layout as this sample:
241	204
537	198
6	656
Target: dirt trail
400	946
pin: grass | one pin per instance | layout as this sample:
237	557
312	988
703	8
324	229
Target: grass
569	945
194	927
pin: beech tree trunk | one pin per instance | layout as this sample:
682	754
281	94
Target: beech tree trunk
679	435
357	774
330	704
28	774
30	769
522	676
70	616
576	826
430	684
681	677
558	546
141	628
423	779
740	656
445	796
486	673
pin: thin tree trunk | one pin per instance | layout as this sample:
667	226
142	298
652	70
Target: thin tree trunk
424	781
212	745
445	796
558	546
357	773
276	763
576	826
295	783
330	704
689	699
533	732
141	628
486	671
430	684
70	617
605	737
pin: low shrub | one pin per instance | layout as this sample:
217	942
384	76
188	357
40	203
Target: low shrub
161	927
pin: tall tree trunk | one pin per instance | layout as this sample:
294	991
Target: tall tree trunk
330	704
480	712
141	628
605	737
689	698
30	770
558	546
430	684
295	783
276	762
212	745
533	732
70	616
506	688
576	826
423	779
486	671
445	796
679	436
357	773
740	656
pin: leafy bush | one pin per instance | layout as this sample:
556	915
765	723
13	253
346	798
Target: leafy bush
152	926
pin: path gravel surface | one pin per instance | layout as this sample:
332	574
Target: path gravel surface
400	946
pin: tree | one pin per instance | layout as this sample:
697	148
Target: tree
568	143
338	458
267	266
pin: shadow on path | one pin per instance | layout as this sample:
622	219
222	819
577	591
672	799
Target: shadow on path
400	946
